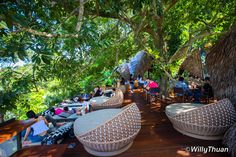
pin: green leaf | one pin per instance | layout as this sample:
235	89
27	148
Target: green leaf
45	59
38	60
3	25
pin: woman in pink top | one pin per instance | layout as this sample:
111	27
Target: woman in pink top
152	87
58	111
151	84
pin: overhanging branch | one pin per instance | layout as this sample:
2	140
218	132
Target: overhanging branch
80	16
170	6
181	52
45	34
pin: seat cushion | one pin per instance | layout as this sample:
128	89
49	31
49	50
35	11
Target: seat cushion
94	119
99	100
177	108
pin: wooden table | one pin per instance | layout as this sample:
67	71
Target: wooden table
14	129
56	150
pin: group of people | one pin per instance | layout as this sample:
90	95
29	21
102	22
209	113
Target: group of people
191	89
148	84
39	130
47	124
42	126
196	90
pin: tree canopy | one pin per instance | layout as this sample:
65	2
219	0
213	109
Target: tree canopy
70	46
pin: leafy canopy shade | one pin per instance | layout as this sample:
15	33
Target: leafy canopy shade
68	46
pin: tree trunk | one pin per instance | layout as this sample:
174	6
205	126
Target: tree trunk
164	86
1	118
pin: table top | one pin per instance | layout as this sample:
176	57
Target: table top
177	108
12	129
42	150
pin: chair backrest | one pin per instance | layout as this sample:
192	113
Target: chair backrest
178	90
154	90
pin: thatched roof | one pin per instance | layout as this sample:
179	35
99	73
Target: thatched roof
193	64
221	64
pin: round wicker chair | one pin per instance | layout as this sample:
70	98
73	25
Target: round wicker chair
123	88
208	122
108	132
114	102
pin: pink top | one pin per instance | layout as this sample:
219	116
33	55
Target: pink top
153	84
58	111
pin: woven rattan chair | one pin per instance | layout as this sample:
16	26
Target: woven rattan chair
208	122
108	132
114	102
123	88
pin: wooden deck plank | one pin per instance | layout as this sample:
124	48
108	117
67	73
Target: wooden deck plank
41	151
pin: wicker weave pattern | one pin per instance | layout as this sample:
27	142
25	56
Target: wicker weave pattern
116	133
122	88
115	102
209	120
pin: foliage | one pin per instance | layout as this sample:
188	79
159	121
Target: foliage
61	60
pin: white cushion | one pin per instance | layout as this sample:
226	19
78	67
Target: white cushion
99	100
93	119
177	108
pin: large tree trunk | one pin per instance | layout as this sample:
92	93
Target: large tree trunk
1	117
164	86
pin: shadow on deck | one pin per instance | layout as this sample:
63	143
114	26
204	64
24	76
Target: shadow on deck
157	137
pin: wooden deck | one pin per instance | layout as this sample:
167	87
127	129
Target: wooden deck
157	137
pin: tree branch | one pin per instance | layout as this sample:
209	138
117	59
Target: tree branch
151	32
48	35
80	16
170	6
182	52
136	32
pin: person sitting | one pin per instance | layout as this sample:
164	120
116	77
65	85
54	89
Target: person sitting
110	93
85	105
136	84
131	82
184	86
66	110
37	131
122	82
140	81
197	94
113	92
207	90
151	85
152	89
97	92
